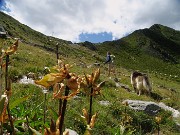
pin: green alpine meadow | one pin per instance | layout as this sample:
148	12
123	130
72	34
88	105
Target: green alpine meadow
50	86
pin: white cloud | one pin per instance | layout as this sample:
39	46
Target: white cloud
67	19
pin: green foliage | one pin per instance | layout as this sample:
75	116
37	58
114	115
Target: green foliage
144	50
18	101
147	49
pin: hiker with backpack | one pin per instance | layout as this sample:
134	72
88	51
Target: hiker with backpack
109	61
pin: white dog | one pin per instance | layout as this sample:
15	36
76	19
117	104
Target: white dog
140	83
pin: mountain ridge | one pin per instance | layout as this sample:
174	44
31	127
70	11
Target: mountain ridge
141	49
159	42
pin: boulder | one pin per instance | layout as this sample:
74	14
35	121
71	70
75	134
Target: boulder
151	108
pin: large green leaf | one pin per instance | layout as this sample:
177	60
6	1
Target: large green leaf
18	101
53	112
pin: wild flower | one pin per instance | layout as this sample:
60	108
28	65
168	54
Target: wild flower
12	49
3	106
91	88
62	82
90	82
86	117
8	92
158	120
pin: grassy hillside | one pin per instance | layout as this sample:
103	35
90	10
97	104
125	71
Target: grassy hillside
138	51
150	50
30	38
24	32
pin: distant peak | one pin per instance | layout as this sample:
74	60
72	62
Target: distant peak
155	27
159	27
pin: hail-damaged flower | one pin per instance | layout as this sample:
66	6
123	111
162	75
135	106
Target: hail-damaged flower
73	83
97	88
90	81
53	78
3	106
96	76
92	122
86	117
125	103
12	49
53	130
58	90
50	79
62	67
126	119
158	119
60	62
3	65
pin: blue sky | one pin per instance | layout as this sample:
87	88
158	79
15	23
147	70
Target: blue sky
96	38
93	20
1	3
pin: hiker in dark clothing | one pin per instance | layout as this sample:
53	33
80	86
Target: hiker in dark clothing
111	65
109	62
108	58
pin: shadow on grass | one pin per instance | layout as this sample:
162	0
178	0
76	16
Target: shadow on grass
156	96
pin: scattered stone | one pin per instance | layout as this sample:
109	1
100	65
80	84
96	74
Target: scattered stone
96	64
76	97
118	84
31	75
103	102
26	80
72	132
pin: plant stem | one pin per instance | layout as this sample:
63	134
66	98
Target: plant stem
60	106
57	56
63	111
158	129
6	72
57	52
1	128
7	87
10	119
45	107
1	61
90	106
28	124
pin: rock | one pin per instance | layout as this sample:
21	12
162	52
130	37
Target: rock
72	132
26	80
118	84
175	113
96	64
105	103
150	107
